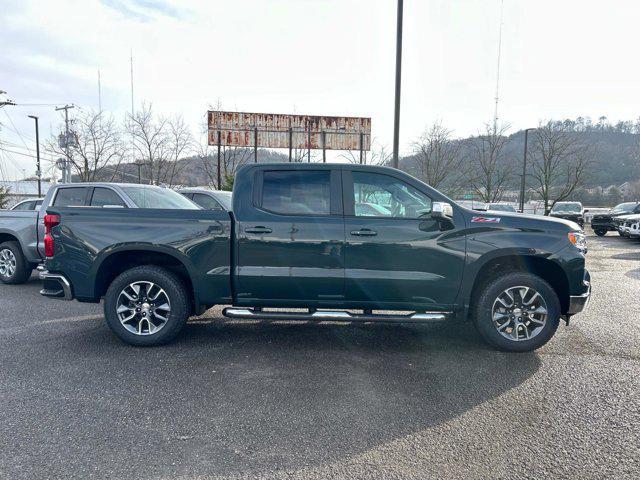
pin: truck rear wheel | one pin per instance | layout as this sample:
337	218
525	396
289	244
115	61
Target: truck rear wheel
146	306
14	268
517	312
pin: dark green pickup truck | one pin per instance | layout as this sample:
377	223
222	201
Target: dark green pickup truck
343	242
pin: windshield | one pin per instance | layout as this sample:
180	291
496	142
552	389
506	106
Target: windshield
567	207
158	197
225	199
624	207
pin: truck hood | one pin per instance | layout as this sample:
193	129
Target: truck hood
518	220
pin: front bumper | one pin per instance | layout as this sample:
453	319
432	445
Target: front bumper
577	303
56	285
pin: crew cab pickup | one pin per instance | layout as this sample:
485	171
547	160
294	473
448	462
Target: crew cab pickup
298	237
22	246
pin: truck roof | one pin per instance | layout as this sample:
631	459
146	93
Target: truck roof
106	184
317	166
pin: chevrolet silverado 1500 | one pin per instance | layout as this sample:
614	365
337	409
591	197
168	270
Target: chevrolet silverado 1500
343	242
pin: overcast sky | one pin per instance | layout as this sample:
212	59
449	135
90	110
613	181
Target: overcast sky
335	57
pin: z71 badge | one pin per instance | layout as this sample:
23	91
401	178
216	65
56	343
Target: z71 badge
485	220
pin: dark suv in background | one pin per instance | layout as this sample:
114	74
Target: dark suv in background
604	222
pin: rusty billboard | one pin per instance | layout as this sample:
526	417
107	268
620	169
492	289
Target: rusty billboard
306	132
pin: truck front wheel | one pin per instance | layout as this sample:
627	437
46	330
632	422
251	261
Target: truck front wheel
517	312
146	306
14	268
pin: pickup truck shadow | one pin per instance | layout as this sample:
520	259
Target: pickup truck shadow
237	398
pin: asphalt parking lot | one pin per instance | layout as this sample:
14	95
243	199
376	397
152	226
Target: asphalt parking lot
231	400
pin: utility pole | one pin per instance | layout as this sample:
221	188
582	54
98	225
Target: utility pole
66	171
38	171
524	168
495	113
99	93
396	116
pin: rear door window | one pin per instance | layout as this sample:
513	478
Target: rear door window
293	192
106	197
70	197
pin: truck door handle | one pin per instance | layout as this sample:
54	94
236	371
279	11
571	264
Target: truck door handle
258	229
365	232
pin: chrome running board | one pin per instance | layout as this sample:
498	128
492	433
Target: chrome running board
330	316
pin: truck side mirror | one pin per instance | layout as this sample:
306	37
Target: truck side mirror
441	210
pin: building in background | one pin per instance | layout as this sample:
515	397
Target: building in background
20	190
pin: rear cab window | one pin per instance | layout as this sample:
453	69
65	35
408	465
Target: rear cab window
297	192
70	197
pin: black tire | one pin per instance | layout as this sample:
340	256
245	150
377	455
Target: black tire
173	287
600	233
23	269
483	313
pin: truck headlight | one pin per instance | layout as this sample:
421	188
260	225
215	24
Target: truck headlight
579	239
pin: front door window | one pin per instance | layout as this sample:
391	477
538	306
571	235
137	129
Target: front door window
377	195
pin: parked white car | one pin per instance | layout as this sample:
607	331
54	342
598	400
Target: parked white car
631	226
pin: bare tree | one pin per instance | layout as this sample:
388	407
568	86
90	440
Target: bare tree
378	155
150	141
231	158
438	158
489	170
97	151
4	196
179	143
559	163
633	191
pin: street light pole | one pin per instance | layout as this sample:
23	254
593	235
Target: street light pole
38	171
396	116
524	168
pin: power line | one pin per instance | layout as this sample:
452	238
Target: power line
16	130
22	153
15	164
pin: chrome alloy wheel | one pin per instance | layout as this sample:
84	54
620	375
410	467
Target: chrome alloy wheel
143	308
519	313
7	263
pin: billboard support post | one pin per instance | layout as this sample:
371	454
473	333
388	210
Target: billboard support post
324	144
218	167
255	144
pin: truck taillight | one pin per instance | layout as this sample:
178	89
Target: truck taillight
48	245
50	221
